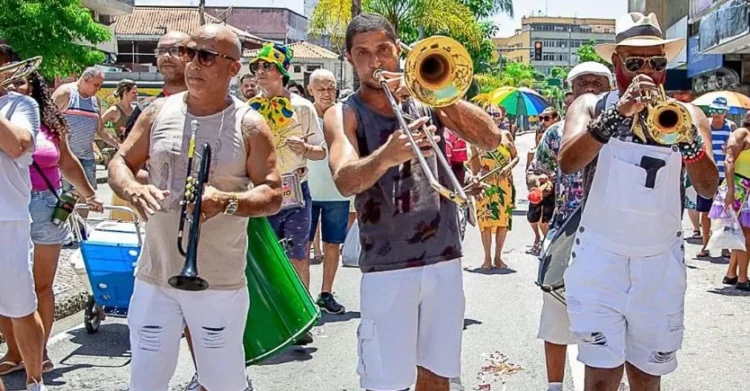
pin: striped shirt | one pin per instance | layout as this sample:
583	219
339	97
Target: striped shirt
719	139
82	115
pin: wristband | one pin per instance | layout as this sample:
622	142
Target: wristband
695	157
691	151
603	127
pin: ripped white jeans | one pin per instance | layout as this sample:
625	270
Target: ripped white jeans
216	319
625	308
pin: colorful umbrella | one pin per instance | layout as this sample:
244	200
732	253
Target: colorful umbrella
519	101
737	102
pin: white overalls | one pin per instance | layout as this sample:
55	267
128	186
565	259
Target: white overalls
625	286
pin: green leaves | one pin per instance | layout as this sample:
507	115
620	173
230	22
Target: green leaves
61	31
586	53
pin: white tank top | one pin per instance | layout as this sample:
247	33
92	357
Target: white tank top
223	242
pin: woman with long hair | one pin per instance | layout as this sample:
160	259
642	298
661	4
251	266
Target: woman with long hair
52	161
118	115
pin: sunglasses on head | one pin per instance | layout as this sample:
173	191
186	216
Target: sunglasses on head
206	57
716	111
267	66
634	64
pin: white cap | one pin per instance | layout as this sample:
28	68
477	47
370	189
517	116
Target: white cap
589	68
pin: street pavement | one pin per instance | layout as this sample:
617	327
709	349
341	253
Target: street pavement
502	313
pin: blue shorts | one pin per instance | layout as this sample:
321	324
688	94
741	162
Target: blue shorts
89	167
43	232
335	221
703	205
294	224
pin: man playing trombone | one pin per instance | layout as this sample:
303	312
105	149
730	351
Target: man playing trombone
412	300
243	181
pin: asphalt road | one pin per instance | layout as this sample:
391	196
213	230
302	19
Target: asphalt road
501	317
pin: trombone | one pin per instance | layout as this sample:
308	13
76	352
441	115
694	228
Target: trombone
16	71
437	72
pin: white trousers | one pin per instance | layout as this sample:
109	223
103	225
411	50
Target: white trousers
17	294
410	317
216	319
626	308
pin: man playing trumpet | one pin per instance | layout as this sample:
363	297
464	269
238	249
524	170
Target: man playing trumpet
625	286
412	299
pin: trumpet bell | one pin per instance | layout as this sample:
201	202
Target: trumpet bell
669	123
438	71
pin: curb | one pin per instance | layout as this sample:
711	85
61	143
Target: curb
66	305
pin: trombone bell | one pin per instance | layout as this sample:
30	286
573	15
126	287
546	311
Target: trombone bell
18	70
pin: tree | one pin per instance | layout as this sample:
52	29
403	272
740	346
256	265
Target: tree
586	53
58	30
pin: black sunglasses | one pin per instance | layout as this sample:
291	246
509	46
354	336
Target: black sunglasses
267	66
716	111
206	57
635	64
547	118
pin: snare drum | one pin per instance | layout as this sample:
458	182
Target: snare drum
556	256
291	188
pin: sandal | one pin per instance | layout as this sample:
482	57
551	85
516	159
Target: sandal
486	266
703	254
47	366
697	234
500	264
14	367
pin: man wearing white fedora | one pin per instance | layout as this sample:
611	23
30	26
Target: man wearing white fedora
626	282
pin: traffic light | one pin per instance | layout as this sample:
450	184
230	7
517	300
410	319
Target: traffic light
538	51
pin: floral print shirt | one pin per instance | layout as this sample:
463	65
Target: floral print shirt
568	188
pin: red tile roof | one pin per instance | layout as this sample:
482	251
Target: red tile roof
303	50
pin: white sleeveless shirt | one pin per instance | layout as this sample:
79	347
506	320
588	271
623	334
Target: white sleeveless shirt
223	241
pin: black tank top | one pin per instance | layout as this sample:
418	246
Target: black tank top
403	221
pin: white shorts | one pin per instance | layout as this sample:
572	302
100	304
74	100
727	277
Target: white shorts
216	319
17	295
627	308
554	324
410	317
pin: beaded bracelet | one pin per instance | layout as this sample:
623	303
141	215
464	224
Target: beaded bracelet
690	151
602	128
696	157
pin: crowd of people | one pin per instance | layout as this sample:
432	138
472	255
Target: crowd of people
346	159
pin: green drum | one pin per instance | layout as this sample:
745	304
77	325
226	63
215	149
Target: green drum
281	309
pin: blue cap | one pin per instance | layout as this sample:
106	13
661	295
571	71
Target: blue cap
719	103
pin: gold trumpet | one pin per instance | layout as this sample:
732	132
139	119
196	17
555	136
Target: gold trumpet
666	122
18	70
437	72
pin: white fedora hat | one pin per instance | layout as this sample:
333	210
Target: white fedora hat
638	30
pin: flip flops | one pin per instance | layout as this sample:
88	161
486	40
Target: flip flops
14	367
47	366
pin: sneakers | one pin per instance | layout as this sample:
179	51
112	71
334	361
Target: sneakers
195	386
328	303
36	387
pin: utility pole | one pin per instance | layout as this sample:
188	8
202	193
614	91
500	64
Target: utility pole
201	10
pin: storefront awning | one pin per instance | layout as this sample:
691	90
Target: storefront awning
726	30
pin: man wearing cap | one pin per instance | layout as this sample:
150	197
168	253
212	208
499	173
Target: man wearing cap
297	135
625	285
541	201
554	325
721	129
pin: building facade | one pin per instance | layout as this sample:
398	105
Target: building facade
280	25
560	38
104	12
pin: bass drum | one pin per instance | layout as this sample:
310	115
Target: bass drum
281	308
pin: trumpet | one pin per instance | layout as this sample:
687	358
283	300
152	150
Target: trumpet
437	72
666	122
16	71
189	279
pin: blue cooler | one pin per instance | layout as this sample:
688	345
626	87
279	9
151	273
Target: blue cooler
110	254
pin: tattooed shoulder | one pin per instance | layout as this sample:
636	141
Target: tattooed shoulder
153	109
253	124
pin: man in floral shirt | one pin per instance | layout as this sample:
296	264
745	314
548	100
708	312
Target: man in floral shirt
554	325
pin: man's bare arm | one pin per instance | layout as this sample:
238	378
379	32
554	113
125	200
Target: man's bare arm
264	199
578	147
133	153
472	124
61	97
14	140
105	135
351	173
704	174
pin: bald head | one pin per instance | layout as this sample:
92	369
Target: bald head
173	38
224	39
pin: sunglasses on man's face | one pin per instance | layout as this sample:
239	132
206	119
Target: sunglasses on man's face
173	51
635	64
206	57
267	66
547	118
716	111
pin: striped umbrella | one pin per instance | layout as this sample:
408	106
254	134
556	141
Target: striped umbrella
519	101
737	102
